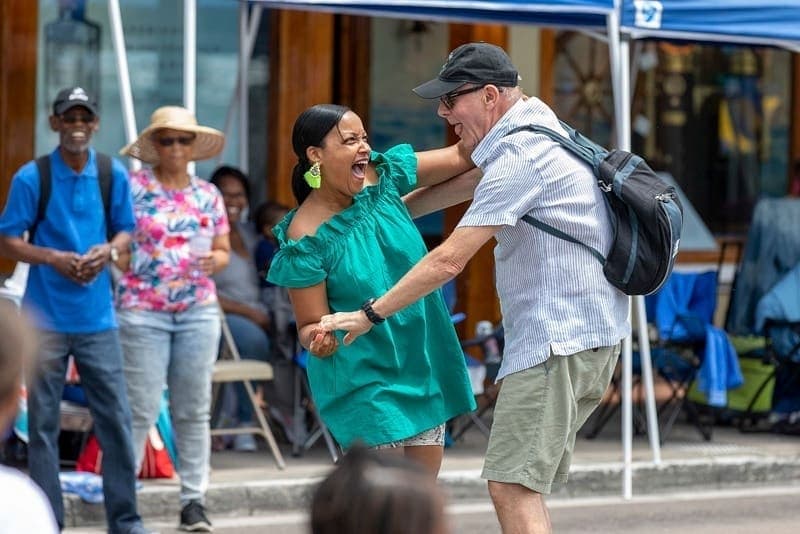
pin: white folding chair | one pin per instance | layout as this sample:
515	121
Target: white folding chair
230	367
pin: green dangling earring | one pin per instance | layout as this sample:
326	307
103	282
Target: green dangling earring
313	176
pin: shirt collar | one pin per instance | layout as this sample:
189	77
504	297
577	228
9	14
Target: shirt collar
63	171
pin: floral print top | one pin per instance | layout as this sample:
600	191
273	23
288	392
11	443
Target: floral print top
161	276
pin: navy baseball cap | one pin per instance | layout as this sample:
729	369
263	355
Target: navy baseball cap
479	63
71	97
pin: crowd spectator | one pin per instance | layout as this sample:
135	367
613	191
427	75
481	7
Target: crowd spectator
69	297
238	291
168	310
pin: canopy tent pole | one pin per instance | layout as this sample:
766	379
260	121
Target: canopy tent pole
243	86
251	32
190	60
619	61
123	77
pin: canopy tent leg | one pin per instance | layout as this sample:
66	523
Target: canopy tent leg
123	76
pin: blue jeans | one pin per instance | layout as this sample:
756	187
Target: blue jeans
176	350
99	361
253	344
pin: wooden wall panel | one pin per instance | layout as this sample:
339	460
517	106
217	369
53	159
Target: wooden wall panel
18	40
301	75
547	61
351	82
477	296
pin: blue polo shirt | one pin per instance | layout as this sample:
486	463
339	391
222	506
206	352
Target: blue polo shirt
74	221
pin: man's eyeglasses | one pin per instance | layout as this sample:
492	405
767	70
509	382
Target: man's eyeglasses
72	119
449	100
169	141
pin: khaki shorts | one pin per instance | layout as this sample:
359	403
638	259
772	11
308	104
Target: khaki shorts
538	412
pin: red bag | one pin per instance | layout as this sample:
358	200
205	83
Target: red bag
155	463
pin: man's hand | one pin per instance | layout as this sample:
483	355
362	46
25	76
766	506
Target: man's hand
323	343
355	323
93	262
66	264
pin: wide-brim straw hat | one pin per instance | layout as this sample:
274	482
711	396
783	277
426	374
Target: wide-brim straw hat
208	142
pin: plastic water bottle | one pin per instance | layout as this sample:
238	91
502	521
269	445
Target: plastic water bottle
491	350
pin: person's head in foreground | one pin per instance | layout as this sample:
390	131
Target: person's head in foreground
17	351
373	493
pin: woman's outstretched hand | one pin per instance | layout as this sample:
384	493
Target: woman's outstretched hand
323	343
354	323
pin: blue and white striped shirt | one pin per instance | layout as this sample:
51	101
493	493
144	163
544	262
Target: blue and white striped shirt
553	294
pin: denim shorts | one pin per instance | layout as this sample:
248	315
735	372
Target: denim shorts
433	436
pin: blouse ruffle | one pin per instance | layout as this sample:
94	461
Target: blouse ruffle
302	263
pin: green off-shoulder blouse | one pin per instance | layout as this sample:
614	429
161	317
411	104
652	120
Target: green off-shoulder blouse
406	375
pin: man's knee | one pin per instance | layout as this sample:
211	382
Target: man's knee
507	493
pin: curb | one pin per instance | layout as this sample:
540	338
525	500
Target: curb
586	480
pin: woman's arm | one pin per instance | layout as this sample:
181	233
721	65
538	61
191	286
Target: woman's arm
310	304
425	200
435	166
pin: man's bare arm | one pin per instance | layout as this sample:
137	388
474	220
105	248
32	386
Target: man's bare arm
434	270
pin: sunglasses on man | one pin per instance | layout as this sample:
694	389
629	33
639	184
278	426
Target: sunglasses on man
72	119
449	99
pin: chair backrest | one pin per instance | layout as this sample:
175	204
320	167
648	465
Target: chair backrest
685	305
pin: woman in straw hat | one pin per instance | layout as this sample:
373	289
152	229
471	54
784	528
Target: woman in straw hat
167	301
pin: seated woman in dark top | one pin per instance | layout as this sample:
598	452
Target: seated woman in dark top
238	288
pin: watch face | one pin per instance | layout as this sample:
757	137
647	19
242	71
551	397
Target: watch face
114	254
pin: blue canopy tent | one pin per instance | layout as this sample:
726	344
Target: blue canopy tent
747	22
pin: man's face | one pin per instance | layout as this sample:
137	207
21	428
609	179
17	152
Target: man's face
75	128
464	109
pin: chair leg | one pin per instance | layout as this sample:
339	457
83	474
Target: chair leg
265	430
748	414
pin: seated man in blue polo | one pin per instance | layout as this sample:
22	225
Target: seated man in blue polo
76	205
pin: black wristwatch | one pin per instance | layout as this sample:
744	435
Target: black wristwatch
371	315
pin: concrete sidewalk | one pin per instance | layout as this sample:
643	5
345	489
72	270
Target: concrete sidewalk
245	484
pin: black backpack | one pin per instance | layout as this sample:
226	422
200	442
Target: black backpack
45	187
646	214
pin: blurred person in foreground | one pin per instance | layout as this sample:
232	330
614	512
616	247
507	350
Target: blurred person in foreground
371	493
23	506
352	237
69	297
167	301
563	321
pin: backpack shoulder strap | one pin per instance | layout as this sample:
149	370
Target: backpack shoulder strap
543	226
105	180
587	153
45	186
571	143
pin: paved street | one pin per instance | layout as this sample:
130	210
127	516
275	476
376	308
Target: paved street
744	511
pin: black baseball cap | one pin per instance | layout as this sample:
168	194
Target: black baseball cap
71	97
479	63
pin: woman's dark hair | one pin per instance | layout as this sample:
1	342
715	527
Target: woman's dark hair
232	172
373	493
310	129
269	213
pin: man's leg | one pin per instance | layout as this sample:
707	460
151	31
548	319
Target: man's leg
519	509
194	350
44	418
98	357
